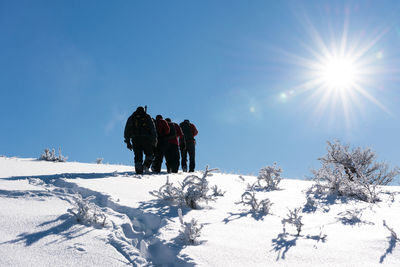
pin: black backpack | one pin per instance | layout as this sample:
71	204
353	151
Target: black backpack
172	131
187	131
140	124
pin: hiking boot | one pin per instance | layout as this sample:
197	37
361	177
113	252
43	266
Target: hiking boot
138	168
184	169
154	170
146	169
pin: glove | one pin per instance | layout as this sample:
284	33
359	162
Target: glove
128	144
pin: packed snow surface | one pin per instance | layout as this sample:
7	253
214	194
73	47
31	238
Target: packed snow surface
39	228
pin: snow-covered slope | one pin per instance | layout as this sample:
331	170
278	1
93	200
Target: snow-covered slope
38	230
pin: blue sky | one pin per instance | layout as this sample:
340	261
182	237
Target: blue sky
243	72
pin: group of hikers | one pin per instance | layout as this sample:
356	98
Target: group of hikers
158	138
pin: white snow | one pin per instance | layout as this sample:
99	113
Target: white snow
36	228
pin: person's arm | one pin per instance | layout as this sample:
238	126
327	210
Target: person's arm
165	127
128	133
178	129
194	129
128	130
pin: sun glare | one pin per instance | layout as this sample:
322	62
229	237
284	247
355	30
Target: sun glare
338	73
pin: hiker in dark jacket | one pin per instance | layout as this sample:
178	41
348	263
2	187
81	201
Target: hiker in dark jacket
172	153
141	137
162	144
187	145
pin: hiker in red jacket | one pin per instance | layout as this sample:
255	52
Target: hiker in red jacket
188	145
162	144
172	153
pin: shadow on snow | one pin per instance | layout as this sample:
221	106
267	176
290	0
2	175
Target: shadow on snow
233	216
389	250
284	241
48	178
63	230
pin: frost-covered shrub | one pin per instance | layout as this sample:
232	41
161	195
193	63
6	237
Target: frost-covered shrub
190	231
269	177
87	212
51	155
192	190
352	172
216	192
294	218
195	189
168	192
249	198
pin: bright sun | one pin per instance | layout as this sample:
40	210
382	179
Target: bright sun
338	73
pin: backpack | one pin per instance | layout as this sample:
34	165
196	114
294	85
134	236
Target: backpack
140	124
187	131
172	131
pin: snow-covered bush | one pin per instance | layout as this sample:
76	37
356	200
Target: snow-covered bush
168	192
192	190
216	192
87	212
51	155
190	231
294	218
352	172
249	198
195	189
269	177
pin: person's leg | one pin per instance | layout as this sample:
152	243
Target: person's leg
192	158
158	156
168	157
148	151
137	149
174	158
184	159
